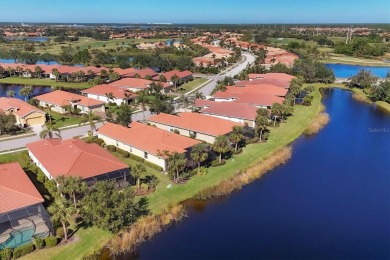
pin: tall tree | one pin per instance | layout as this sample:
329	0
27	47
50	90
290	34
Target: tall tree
91	119
198	95
364	78
141	100
50	132
7	121
124	114
184	101
176	164
261	125
175	79
26	92
137	171
71	186
49	107
38	71
199	153
61	211
236	136
110	96
221	145
11	93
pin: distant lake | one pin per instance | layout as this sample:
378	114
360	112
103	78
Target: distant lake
37	90
346	70
30	39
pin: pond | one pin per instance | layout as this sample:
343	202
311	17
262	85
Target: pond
330	201
37	90
346	70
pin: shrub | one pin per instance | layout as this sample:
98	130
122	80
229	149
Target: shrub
253	140
6	254
41	177
111	148
153	166
176	131
23	250
25	156
144	186
124	153
217	163
137	158
192	135
60	232
99	141
51	241
33	168
307	100
38	243
239	150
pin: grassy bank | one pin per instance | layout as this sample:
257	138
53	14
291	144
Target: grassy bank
342	59
43	82
253	154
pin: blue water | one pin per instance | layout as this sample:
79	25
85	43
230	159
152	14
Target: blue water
37	90
346	71
30	39
39	62
18	238
330	201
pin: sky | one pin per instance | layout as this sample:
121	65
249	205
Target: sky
197	11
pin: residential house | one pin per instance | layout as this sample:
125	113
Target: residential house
61	100
183	76
74	157
194	125
237	112
110	93
138	84
145	141
25	114
22	216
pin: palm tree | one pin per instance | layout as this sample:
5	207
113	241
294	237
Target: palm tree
162	78
199	95
261	125
28	71
221	145
11	93
236	136
19	70
90	118
174	80
26	92
56	73
142	100
49	107
219	87
38	71
176	164
184	101
90	74
137	171
61	211
72	186
199	153
50	132
110	96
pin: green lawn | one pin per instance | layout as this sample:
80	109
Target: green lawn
92	239
339	58
43	82
191	85
59	120
285	41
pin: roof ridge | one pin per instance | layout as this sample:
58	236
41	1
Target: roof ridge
25	194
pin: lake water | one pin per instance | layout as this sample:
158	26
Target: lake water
30	39
331	200
37	90
346	71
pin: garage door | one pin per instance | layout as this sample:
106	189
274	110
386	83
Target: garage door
35	121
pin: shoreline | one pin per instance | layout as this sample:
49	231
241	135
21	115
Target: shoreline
280	138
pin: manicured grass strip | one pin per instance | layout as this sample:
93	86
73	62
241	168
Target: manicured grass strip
43	82
191	85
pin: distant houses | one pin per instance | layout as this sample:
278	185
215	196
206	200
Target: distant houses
25	114
109	93
21	210
74	157
198	126
182	76
146	141
62	101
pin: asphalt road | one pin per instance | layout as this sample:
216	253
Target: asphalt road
83	130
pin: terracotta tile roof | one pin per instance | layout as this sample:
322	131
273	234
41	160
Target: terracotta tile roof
118	92
271	78
143	73
74	157
63	98
132	83
255	89
181	74
16	189
22	108
196	122
228	109
147	138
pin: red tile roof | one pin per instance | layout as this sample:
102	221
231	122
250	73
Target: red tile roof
143	73
74	157
196	122
22	108
16	189
181	74
228	109
132	83
63	98
118	92
255	89
147	138
272	77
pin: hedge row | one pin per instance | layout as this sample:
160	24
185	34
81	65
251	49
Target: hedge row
20	251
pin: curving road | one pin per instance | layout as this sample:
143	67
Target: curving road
82	130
